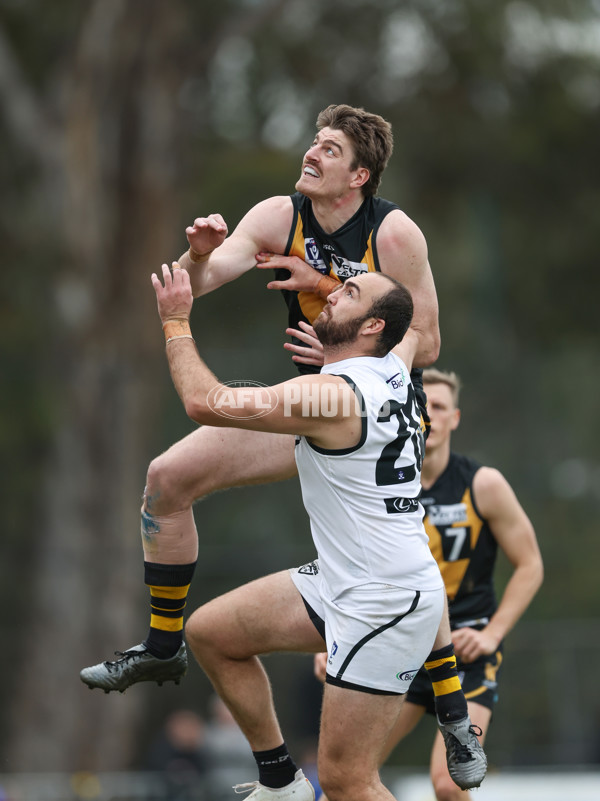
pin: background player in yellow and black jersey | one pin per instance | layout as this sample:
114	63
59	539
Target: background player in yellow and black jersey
471	512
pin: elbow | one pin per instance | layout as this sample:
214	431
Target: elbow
428	352
198	410
433	352
540	574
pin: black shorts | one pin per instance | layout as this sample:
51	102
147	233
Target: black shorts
479	681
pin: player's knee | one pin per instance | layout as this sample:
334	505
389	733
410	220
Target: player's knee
166	486
158	480
338	781
199	633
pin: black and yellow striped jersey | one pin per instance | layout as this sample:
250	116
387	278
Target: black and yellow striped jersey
349	251
462	543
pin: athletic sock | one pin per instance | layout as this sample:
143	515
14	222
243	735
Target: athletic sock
276	768
169	585
450	701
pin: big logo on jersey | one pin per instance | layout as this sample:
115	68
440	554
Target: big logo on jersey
401	505
344	268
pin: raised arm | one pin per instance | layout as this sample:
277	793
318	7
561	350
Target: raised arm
322	407
515	535
402	252
215	258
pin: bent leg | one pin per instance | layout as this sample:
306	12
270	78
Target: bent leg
226	636
450	701
203	462
207	460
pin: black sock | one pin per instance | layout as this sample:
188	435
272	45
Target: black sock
276	768
450	701
169	586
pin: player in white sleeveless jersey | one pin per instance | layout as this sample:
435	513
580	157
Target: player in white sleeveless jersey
367	526
381	617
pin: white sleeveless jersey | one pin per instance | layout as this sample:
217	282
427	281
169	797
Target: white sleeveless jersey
366	519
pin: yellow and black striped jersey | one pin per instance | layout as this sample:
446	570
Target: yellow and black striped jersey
462	543
349	251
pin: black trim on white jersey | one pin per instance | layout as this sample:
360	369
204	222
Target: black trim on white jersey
363	433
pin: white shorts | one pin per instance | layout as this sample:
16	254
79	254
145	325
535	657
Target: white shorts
377	635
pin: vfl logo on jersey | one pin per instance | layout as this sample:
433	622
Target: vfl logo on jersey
310	569
447	515
399	506
396	381
344	268
407	675
313	256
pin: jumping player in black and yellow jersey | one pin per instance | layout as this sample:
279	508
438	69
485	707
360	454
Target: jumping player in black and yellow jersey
335	227
470	512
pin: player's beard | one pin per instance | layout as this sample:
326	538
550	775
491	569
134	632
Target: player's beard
333	334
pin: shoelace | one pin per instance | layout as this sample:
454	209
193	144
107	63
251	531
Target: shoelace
462	752
125	656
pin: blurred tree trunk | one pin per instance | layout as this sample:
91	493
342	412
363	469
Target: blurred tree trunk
116	204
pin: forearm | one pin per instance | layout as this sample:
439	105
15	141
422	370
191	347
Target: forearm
191	377
202	276
209	271
518	594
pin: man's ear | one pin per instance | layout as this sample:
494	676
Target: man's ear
361	176
373	325
455	420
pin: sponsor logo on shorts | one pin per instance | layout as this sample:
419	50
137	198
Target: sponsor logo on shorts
333	652
399	506
310	569
407	675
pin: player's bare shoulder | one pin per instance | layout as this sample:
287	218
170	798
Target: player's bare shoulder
401	246
268	223
491	490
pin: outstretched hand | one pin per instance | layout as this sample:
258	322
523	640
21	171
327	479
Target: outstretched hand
206	233
303	278
174	298
313	353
